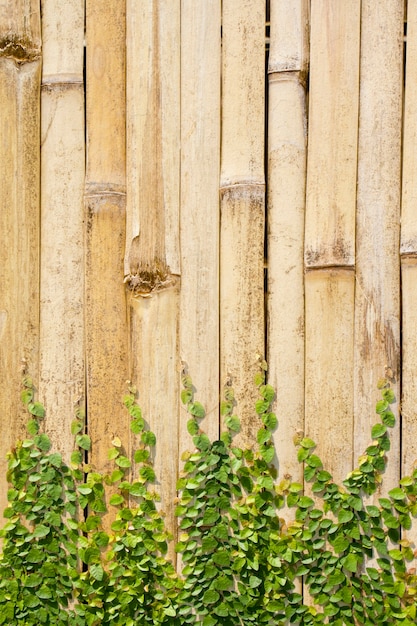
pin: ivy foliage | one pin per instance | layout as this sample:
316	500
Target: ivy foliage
241	562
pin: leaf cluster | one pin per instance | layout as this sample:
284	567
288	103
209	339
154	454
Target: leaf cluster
253	548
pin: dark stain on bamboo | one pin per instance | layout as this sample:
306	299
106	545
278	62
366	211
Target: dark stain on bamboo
19	49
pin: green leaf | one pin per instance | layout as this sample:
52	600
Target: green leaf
232	422
270	420
192	426
196	409
378	430
141	455
267	392
148	438
96	572
263	435
211	596
36	408
76	427
123	461
351	563
116	499
43	442
41	531
83	442
344	516
388	395
261	406
397	494
33	427
307	443
137	425
26	395
186	396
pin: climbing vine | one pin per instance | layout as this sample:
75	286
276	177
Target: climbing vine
336	559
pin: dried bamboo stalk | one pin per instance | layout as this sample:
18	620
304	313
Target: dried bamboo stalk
330	230
152	248
242	204
61	381
20	79
200	166
287	144
377	301
106	322
409	259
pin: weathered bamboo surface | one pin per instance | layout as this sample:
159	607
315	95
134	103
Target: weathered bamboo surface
20	80
330	230
137	236
61	379
377	293
152	242
242	191
287	147
106	321
199	219
408	251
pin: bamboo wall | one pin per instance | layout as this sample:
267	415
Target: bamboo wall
199	185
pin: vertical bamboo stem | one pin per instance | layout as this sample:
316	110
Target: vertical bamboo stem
377	302
242	203
62	232
287	144
409	257
152	249
200	166
105	200
20	79
330	230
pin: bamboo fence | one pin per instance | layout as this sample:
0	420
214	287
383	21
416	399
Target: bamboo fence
183	189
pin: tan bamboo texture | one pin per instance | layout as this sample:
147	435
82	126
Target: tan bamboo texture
159	212
199	216
287	151
152	244
242	196
329	246
105	214
409	256
377	293
20	80
61	379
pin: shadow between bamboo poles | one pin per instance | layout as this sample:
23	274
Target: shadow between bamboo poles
61	379
377	293
106	323
242	197
20	80
152	262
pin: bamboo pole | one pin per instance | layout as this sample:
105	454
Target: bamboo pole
105	200
330	230
377	302
200	166
61	382
242	192
152	248
20	78
409	258
287	145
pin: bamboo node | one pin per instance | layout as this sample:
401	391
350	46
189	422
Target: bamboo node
20	49
146	282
